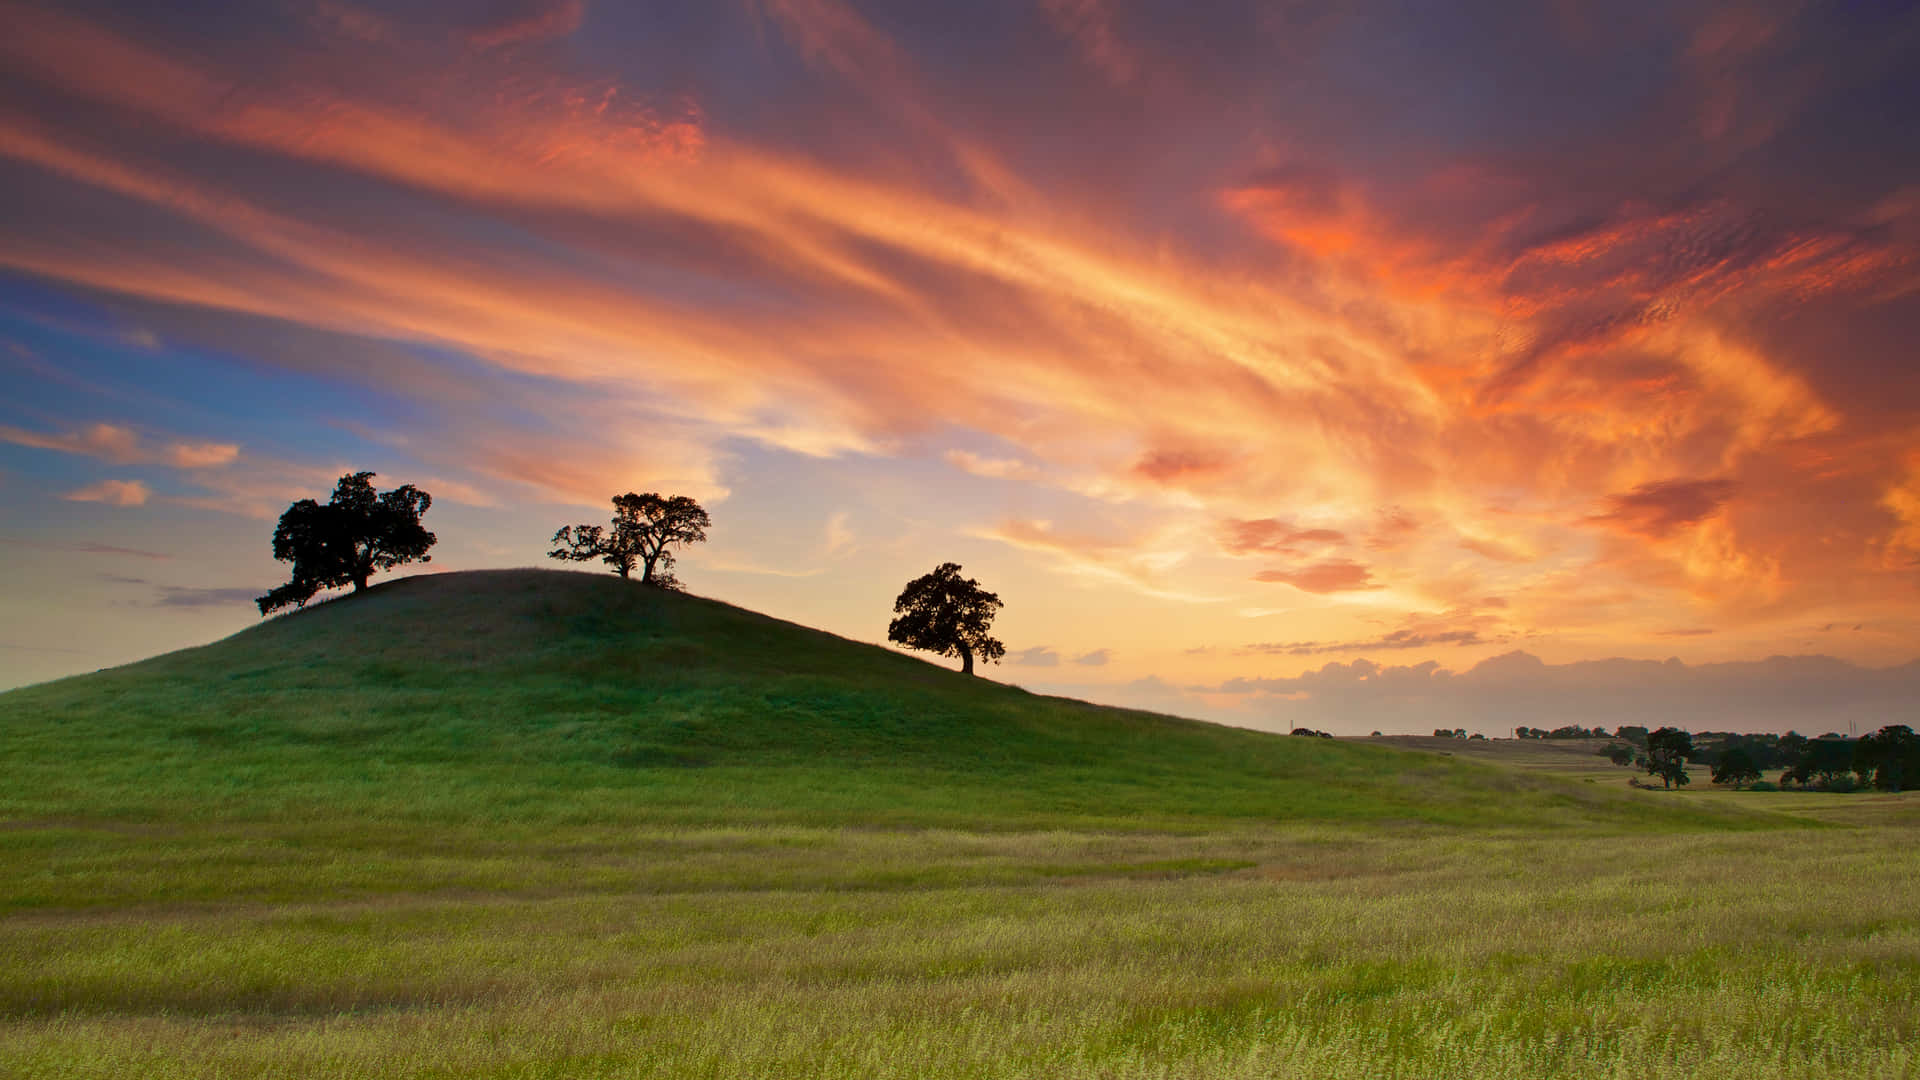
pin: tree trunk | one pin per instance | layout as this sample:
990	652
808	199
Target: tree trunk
966	660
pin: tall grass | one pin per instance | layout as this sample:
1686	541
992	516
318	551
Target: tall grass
536	825
1328	953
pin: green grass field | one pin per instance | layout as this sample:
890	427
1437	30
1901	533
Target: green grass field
527	824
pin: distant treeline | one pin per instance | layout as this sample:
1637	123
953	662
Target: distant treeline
1888	759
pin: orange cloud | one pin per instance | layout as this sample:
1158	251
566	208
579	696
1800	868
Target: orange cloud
109	442
201	455
112	492
1498	383
1272	536
1664	507
1329	576
122	445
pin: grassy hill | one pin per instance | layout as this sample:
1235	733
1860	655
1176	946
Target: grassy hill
534	696
548	826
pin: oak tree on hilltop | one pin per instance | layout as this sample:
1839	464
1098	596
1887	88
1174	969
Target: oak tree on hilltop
355	534
644	527
949	615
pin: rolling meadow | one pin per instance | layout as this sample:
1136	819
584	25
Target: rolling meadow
529	824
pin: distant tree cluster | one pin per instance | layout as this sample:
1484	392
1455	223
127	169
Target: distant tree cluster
1887	760
1737	767
1572	731
1309	733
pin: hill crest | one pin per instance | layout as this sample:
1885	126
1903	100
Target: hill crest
542	694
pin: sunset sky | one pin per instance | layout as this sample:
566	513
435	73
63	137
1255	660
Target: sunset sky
1284	362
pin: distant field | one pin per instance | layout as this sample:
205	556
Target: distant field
622	835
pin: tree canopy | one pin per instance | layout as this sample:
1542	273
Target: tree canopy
1668	750
644	528
947	614
1824	762
355	534
1890	757
1736	766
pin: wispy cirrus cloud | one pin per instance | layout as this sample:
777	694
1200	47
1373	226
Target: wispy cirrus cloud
529	20
1327	576
122	445
1273	536
1391	641
112	492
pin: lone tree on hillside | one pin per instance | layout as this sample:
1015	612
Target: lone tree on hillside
644	527
1736	766
355	534
947	614
1667	752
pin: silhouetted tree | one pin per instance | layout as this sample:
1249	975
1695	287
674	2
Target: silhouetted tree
644	527
357	533
1667	752
1890	757
947	614
1764	749
1824	762
1736	766
1619	753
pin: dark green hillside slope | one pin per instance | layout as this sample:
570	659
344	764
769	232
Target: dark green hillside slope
575	698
